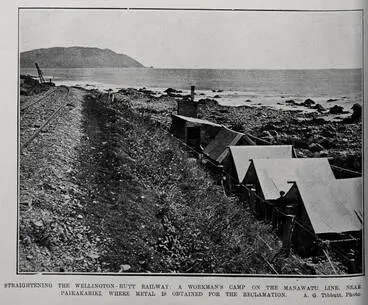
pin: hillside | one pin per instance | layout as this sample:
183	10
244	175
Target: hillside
76	57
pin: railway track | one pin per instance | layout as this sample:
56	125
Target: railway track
37	115
47	94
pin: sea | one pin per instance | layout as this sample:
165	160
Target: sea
229	87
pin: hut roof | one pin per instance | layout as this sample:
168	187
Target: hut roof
217	148
330	206
195	120
243	154
275	175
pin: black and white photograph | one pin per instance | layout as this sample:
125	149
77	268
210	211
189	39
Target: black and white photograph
215	142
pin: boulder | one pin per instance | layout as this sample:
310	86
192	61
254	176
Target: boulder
308	102
336	109
172	92
331	100
357	112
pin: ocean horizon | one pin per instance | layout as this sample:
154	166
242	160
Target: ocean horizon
231	87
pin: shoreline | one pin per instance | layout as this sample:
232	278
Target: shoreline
321	106
312	134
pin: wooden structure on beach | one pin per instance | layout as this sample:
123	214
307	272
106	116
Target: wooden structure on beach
187	108
194	132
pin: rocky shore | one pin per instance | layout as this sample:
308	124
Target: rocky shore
313	134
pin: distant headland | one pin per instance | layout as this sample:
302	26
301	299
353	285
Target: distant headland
76	57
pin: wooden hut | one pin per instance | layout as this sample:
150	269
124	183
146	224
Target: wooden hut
194	132
187	108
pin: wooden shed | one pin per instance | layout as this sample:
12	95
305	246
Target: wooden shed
194	132
187	108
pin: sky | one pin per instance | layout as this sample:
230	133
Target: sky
204	39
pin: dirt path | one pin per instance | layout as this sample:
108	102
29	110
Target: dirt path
81	209
52	230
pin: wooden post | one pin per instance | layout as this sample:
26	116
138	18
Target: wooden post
252	199
351	263
288	232
329	260
274	218
192	88
265	204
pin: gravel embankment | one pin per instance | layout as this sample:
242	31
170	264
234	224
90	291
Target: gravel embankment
53	235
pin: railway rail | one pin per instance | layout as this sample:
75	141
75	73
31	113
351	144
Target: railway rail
47	94
36	119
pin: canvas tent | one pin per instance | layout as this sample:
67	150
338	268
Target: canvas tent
329	206
217	150
327	210
267	178
275	175
240	156
354	187
193	131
